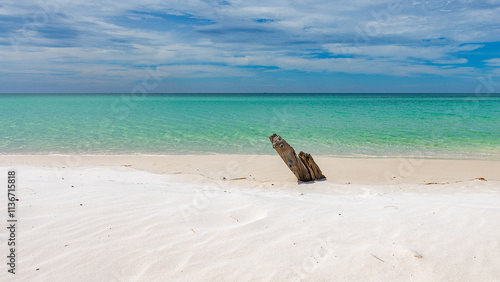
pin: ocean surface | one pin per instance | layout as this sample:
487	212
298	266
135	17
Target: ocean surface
349	125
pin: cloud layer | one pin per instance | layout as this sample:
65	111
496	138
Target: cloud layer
109	43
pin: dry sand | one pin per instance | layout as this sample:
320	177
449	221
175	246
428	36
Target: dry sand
245	218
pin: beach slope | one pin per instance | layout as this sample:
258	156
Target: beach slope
232	218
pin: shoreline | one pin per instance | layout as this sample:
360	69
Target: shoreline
357	156
268	168
368	157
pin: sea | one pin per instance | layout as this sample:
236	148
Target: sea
447	126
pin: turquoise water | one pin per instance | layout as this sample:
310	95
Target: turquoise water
439	126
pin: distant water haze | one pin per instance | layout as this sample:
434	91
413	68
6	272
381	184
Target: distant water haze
349	125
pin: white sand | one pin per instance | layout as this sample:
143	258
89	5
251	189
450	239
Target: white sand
173	218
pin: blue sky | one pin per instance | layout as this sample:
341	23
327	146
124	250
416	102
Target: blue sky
248	46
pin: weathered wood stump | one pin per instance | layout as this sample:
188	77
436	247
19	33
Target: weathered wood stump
311	166
303	166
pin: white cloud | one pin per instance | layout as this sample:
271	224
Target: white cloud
406	42
368	66
451	61
199	71
493	62
398	52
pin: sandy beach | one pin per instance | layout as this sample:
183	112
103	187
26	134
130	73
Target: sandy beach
246	218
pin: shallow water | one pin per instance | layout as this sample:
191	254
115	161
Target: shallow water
379	125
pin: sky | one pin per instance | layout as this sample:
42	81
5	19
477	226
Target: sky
181	46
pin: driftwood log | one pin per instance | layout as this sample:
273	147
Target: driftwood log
303	166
